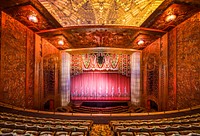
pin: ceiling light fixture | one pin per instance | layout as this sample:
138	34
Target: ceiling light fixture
140	42
33	18
61	42
170	18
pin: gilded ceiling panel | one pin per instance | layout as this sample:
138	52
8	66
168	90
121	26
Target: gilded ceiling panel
83	12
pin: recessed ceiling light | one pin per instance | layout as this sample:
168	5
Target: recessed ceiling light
140	42
61	42
170	18
33	18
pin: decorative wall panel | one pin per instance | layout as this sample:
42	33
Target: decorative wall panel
0	48
13	63
163	72
151	55
48	48
49	72
17	63
188	62
50	79
30	55
119	63
171	103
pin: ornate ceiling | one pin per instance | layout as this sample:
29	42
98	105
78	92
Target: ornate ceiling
82	12
93	24
102	36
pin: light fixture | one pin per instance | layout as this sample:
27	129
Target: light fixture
78	21
140	42
33	18
170	17
60	42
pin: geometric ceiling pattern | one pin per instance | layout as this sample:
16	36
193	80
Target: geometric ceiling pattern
98	12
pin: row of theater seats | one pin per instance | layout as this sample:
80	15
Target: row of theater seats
182	125
13	124
108	110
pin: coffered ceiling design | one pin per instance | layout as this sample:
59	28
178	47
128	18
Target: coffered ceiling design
82	12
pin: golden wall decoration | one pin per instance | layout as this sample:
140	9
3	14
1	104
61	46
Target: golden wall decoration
151	55
30	69
188	62
16	66
178	70
50	73
172	71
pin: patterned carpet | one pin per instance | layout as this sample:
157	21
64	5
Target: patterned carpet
101	130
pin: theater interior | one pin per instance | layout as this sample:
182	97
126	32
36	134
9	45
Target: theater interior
99	67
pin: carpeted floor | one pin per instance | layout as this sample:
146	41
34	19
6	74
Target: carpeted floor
101	130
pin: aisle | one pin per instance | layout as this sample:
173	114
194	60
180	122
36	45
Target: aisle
101	130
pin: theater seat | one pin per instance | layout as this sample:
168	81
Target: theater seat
32	133
6	130
185	132
62	133
126	134
77	134
142	134
170	133
19	132
46	133
157	134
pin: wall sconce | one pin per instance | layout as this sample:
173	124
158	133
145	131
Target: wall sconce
170	18
61	42
140	42
33	18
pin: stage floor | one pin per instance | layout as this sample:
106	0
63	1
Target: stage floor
103	104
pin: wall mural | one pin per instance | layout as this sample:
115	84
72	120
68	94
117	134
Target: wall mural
102	62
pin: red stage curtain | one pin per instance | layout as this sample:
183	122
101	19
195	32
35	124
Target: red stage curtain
100	86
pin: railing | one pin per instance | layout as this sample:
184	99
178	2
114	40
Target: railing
100	114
